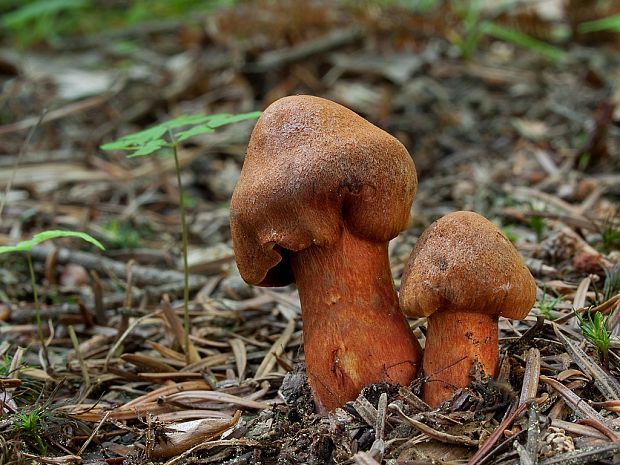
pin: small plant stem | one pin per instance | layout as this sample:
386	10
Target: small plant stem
37	308
605	359
188	351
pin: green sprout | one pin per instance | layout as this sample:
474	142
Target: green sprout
538	224
26	246
547	305
166	137
474	27
121	235
31	422
610	233
510	234
609	23
596	330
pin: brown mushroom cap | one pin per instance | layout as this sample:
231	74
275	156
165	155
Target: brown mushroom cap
464	263
313	167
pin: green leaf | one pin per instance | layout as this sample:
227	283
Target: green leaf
26	246
185	120
35	10
137	139
523	40
195	131
219	120
148	148
153	139
610	23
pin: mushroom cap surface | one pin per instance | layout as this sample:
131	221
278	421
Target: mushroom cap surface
313	167
464	263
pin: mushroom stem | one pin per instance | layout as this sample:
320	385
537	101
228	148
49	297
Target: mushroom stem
454	340
354	331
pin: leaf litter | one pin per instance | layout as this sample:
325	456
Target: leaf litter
530	144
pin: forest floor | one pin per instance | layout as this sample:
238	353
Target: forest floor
527	136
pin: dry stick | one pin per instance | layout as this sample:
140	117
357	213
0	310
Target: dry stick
120	340
533	433
192	397
609	405
180	331
97	289
603	308
93	434
581	408
577	428
33	122
62	460
142	275
607	385
366	410
78	353
530	378
433	433
584	456
211	444
528	336
276	350
490	442
574	221
381	410
278	58
241	356
22	150
167	390
363	458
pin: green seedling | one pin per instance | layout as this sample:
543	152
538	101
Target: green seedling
522	40
609	23
584	161
29	21
5	366
30	422
40	19
538	224
474	28
121	235
510	234
596	330
166	137
610	233
26	246
546	305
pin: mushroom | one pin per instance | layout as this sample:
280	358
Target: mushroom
320	194
463	274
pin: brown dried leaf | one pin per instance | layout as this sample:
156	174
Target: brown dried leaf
182	436
241	356
276	350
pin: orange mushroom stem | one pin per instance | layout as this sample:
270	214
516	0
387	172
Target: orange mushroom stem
321	193
355	333
463	274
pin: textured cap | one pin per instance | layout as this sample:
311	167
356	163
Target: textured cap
312	167
464	263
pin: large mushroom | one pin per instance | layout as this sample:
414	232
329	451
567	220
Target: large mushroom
462	275
321	193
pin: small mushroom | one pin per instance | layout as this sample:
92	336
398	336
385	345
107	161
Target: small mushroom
463	274
321	193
